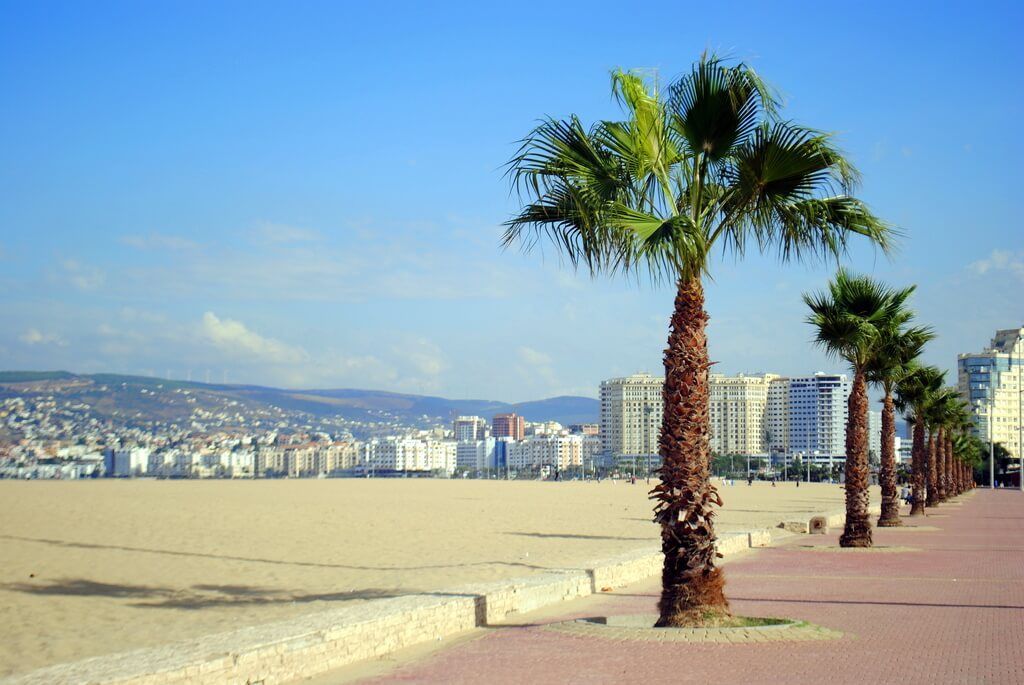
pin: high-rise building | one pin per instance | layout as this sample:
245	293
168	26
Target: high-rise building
476	455
738	413
874	435
469	428
992	383
631	410
814	416
776	417
508	426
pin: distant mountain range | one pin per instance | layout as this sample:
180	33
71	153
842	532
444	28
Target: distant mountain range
349	403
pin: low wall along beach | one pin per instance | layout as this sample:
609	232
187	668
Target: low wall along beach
301	576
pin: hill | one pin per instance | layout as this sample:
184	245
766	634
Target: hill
110	391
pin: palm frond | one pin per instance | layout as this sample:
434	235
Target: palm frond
717	106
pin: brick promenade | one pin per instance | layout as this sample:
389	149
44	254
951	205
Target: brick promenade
942	604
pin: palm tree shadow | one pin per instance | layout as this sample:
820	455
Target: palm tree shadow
197	596
282	562
575	536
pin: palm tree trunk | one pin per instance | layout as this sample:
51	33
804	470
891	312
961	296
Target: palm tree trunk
940	466
932	473
857	532
692	587
950	489
890	496
918	463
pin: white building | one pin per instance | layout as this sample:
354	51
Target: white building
128	462
739	413
476	455
806	416
992	383
631	409
469	428
552	451
411	454
874	435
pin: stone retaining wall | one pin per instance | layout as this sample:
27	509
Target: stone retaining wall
313	644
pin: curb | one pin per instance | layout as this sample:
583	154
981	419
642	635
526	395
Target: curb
314	644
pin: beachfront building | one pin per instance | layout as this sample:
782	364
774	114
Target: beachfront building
776	417
630	418
816	416
738	413
874	435
393	454
546	451
476	455
508	426
992	384
469	428
126	462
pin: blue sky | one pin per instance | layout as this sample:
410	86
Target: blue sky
310	194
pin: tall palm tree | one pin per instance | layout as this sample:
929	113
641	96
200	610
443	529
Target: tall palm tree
849	321
936	411
896	349
913	394
705	166
959	428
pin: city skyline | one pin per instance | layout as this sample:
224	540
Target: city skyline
190	195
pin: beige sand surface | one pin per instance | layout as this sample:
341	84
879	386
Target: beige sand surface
96	567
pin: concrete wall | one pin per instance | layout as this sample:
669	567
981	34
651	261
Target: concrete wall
310	645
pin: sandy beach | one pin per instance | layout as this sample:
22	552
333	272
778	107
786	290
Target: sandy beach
96	567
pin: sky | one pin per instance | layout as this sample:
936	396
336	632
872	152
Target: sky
312	195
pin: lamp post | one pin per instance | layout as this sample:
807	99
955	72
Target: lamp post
648	409
1020	414
991	447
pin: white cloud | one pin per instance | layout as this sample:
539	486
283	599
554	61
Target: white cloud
234	338
281	233
83	276
538	365
424	355
533	357
1000	260
159	241
33	336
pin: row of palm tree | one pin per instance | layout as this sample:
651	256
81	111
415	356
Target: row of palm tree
868	324
705	165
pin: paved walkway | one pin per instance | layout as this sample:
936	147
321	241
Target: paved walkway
942	603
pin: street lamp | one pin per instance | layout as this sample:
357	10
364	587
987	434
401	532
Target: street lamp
1020	414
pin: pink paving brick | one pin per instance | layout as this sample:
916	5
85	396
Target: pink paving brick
950	612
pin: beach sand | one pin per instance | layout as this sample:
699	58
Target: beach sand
96	567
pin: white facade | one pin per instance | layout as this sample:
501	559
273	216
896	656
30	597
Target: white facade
992	383
130	462
411	454
631	409
476	455
469	428
739	413
874	434
806	416
554	451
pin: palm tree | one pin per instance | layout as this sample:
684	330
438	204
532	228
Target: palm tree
896	349
850	320
958	427
707	166
936	412
913	393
